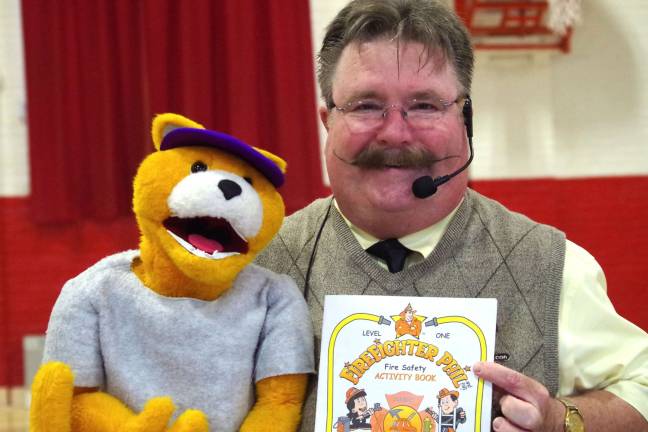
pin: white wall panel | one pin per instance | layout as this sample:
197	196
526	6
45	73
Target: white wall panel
513	127
14	171
601	92
584	114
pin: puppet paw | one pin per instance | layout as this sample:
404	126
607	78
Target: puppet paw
153	418
52	393
278	405
191	421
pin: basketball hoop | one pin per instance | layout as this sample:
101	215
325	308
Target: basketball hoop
520	24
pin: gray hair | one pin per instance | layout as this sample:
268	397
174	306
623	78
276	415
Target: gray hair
428	22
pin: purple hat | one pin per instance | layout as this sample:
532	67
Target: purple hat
187	137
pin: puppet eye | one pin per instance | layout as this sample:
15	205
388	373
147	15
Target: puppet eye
198	166
248	179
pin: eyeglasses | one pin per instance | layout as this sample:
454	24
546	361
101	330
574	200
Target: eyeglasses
364	115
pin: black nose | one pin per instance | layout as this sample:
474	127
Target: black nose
229	188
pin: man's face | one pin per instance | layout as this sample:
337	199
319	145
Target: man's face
448	405
382	70
360	405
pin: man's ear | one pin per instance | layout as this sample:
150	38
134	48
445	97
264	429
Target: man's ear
324	116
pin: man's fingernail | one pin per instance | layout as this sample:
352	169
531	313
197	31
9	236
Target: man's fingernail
497	423
477	368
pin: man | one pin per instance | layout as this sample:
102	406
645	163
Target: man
395	76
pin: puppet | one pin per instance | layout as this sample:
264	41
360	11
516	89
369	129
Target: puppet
186	324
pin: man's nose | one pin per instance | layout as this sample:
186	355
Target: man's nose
395	129
398	109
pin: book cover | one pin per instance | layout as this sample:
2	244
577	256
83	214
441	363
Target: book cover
403	364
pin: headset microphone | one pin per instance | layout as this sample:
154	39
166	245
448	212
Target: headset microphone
426	186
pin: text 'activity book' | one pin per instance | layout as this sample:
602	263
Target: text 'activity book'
403	364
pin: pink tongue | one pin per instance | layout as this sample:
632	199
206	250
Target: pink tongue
204	244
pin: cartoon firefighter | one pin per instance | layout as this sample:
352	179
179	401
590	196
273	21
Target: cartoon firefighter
359	412
451	414
408	324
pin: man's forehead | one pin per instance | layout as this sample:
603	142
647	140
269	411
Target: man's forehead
363	64
396	50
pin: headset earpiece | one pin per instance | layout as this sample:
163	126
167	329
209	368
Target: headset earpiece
467	115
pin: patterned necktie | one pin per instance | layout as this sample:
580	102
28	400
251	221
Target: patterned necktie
392	252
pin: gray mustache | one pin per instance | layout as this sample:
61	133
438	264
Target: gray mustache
405	157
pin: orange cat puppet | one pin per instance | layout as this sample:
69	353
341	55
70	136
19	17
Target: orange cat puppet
187	324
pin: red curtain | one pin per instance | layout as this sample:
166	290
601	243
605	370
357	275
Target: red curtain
98	70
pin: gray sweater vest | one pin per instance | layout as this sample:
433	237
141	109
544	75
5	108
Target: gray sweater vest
487	251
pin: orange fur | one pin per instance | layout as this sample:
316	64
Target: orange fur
166	268
278	405
52	392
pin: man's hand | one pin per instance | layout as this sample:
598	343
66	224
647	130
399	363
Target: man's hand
526	404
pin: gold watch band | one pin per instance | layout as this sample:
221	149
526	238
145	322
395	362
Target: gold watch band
573	418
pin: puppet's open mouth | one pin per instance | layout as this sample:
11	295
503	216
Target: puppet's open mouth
207	237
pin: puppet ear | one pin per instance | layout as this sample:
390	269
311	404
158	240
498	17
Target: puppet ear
274	158
165	123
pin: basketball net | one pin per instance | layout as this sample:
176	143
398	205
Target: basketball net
563	14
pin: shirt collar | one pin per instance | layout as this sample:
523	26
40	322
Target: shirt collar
422	242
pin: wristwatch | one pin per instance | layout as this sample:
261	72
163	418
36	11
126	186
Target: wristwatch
573	418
